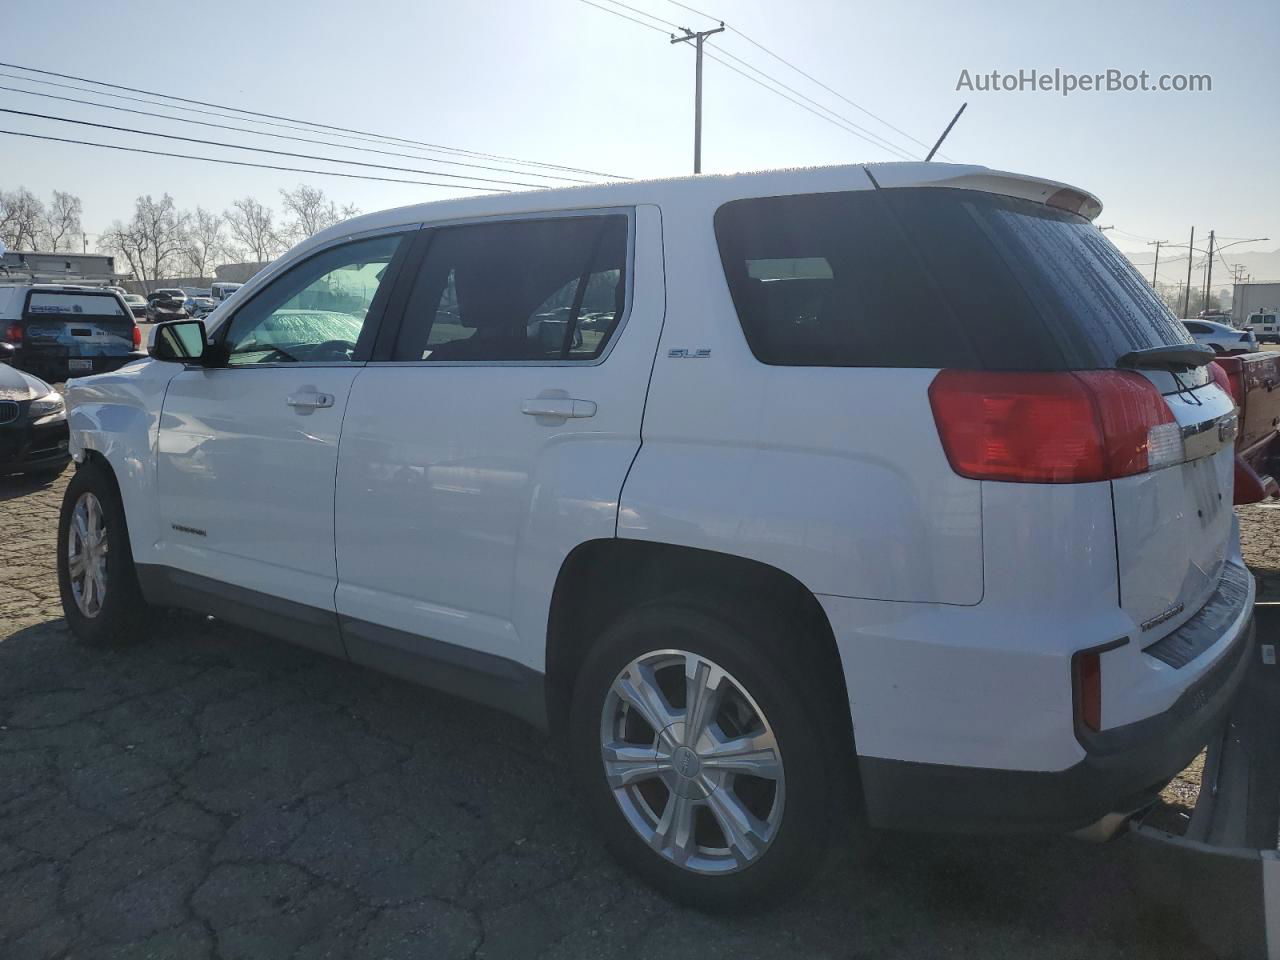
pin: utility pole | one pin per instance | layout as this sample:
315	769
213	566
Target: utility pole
1155	269
1208	273
1186	292
698	39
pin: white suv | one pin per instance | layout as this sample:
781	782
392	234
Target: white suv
767	491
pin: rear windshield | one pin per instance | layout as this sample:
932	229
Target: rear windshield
69	304
933	277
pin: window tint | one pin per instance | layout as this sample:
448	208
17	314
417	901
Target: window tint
1197	328
45	303
518	290
317	312
933	277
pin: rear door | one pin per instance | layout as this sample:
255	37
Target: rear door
492	435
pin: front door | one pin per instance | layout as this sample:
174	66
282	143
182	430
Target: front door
494	435
247	450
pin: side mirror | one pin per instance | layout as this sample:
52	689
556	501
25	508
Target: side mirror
7	350
178	341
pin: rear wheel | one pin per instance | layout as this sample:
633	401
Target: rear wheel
97	581
708	753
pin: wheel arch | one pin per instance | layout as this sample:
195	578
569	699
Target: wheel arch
600	579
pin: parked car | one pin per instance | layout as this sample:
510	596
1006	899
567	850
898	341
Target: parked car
60	330
1253	381
165	305
137	305
735	541
1221	337
221	290
200	306
33	421
1264	327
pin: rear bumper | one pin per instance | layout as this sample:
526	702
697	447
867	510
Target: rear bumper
54	364
1123	768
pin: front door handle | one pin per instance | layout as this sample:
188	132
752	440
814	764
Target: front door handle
562	407
309	400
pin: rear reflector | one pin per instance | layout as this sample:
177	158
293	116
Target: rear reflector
1088	689
1053	427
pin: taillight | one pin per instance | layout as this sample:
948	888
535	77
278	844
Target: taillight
1228	373
1088	689
13	333
1053	427
137	335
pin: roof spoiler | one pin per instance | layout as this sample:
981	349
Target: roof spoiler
1174	357
971	177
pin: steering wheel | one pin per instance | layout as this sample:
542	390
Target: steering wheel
332	350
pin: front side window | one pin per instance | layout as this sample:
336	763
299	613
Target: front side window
518	290
318	312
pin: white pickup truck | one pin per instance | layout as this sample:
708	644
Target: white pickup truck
762	490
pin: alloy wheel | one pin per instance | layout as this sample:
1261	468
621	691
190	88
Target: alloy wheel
87	555
692	762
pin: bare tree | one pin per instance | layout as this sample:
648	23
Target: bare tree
152	242
309	211
205	242
61	221
252	225
20	216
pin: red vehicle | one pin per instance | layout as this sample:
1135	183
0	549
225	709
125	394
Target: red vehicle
1254	382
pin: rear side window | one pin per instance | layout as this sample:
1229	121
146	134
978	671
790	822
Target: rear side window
933	277
52	303
518	290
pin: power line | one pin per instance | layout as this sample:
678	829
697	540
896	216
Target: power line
245	163
359	134
278	153
877	138
280	136
646	13
754	80
808	76
804	106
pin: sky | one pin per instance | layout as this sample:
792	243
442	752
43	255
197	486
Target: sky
559	81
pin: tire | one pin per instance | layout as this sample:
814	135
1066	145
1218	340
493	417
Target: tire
765	688
111	612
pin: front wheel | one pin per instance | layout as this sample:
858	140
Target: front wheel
97	582
707	750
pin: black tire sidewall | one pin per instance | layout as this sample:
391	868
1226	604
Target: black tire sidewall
122	610
755	654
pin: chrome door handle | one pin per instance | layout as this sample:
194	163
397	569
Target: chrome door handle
309	400
563	407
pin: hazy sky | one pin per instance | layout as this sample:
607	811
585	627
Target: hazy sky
562	82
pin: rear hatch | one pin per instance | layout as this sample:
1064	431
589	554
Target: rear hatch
1041	289
85	330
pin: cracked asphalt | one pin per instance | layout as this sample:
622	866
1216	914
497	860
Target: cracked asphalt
213	793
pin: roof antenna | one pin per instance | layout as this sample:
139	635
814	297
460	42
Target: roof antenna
945	132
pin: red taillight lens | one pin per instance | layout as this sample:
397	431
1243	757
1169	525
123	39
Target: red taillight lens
1228	373
137	335
13	333
1052	427
1088	689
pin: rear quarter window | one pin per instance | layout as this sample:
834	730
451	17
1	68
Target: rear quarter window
932	277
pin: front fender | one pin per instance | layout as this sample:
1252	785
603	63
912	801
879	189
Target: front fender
116	416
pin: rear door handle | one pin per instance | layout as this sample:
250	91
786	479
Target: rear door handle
563	407
309	400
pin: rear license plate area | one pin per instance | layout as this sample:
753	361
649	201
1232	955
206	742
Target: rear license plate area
80	365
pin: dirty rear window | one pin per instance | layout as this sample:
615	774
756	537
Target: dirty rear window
69	305
932	277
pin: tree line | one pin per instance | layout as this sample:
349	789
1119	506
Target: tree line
161	241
